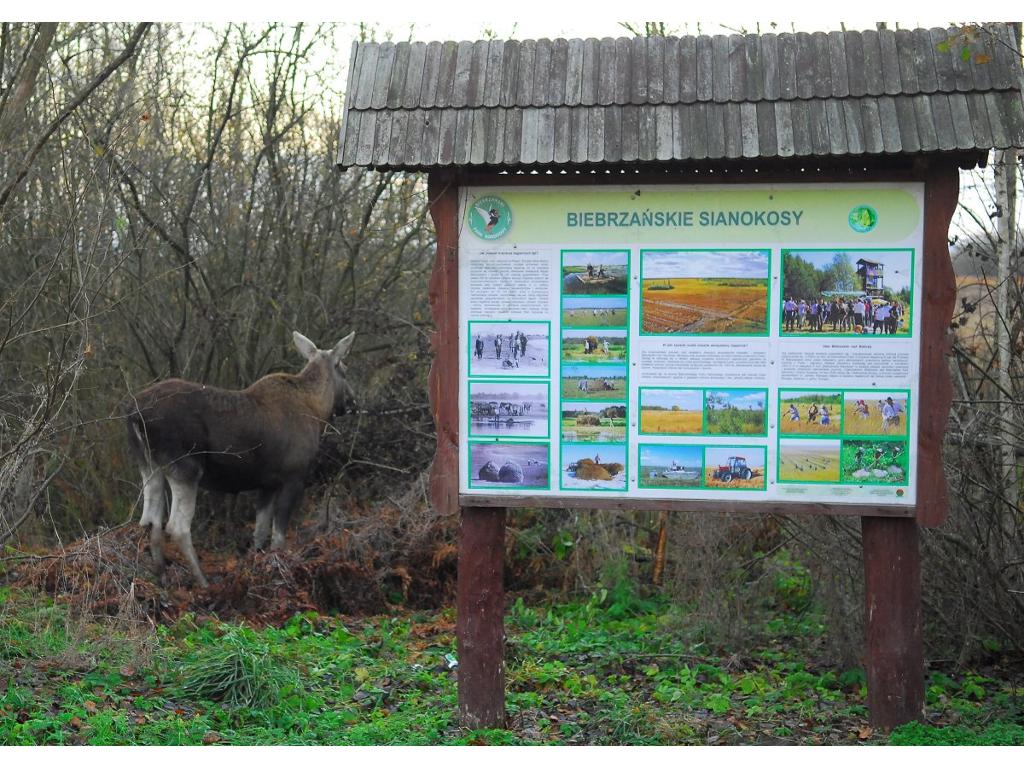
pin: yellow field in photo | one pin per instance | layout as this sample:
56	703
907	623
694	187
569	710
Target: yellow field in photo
662	422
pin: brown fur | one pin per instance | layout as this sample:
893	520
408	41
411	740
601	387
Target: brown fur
263	438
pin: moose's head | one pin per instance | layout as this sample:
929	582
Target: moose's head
334	361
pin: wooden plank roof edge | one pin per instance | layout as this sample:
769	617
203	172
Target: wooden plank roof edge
535	40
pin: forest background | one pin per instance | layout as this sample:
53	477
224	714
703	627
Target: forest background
169	215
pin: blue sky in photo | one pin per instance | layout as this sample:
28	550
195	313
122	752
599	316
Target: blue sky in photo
754	455
594	302
670	264
741	399
607	258
601	333
664	455
895	270
608	453
594	371
686	399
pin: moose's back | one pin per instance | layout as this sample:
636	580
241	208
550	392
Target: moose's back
228	440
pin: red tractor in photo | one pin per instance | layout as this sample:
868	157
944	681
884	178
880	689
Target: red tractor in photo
736	469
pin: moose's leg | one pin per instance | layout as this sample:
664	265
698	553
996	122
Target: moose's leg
153	507
264	514
286	500
179	526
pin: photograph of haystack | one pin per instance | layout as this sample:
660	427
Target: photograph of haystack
876	412
874	462
810	413
594	467
846	292
513	349
593	422
594	312
595	272
704	292
508	409
593	382
594	346
506	465
736	411
671	411
808	461
670	466
735	468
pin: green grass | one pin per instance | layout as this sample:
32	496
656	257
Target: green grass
618	667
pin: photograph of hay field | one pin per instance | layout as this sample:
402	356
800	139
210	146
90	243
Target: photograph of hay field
704	292
593	382
593	346
594	312
595	272
503	348
874	462
810	412
882	413
593	423
808	461
670	466
736	411
671	411
594	468
735	467
494	465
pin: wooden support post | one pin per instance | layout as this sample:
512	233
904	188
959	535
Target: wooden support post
892	619
481	617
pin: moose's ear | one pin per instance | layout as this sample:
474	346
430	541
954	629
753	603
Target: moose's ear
306	347
342	348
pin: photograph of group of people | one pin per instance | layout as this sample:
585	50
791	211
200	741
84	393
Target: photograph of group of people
859	314
846	292
509	348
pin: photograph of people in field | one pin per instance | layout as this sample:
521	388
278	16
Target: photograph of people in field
593	422
736	411
704	292
508	409
817	413
877	462
508	465
595	272
593	382
866	293
594	312
875	413
735	467
594	346
515	349
671	411
594	467
809	461
670	466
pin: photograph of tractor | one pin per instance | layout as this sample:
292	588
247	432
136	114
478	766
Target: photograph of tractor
735	468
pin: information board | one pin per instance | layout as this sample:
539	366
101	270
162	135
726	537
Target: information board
683	342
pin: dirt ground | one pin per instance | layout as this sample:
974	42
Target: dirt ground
341	571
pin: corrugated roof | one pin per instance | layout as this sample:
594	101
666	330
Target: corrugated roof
591	102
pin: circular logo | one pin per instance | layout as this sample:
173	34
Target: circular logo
490	218
863	218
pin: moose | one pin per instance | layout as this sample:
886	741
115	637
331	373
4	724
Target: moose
263	438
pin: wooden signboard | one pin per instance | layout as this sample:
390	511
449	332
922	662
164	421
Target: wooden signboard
777	347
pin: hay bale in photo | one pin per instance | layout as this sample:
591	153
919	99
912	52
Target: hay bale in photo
510	473
591	471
